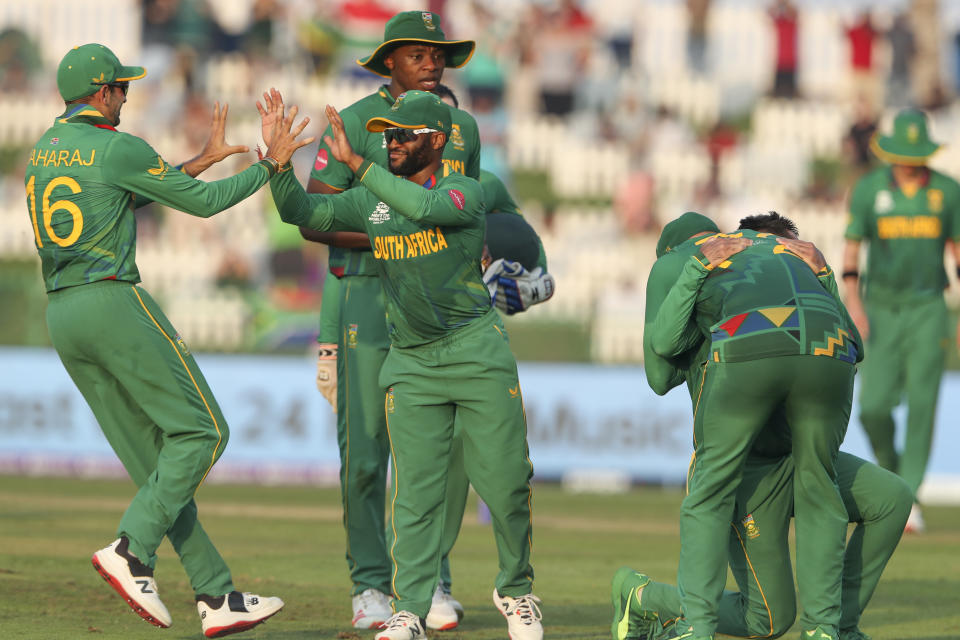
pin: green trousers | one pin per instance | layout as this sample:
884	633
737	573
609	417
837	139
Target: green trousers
736	402
877	502
364	447
906	352
469	379
156	411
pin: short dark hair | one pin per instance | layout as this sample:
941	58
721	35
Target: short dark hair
444	91
769	222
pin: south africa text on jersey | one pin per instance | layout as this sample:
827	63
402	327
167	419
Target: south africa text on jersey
411	245
60	157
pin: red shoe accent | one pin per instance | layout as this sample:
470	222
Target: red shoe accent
219	632
140	611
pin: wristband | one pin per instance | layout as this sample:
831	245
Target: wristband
327	352
272	163
852	273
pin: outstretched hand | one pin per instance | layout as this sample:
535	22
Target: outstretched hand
271	115
283	136
339	145
216	148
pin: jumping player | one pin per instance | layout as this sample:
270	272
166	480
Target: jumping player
876	500
83	181
449	360
907	212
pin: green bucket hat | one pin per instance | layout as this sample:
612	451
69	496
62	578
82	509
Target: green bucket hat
682	229
910	143
416	26
90	66
414	110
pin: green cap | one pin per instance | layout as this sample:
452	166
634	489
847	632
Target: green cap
414	110
409	27
90	66
682	229
910	143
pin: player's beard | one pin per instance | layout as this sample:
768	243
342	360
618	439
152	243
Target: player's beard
415	160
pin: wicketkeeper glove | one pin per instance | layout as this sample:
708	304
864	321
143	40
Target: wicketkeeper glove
513	289
327	373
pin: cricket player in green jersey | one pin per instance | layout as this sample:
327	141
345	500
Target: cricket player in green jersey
877	501
449	360
353	336
83	181
779	343
907	213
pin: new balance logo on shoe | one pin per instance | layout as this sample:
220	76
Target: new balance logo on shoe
234	612
144	586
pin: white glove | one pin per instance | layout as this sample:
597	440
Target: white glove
327	373
513	289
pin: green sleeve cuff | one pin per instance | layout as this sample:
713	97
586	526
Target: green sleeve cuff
362	169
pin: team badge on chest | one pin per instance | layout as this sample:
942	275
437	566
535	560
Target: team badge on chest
883	202
381	214
935	200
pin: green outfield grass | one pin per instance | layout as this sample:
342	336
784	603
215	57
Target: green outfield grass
287	541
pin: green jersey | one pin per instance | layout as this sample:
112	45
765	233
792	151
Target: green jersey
906	234
461	155
763	302
426	244
84	179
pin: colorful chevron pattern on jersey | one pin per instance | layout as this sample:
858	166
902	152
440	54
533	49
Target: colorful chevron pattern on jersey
805	319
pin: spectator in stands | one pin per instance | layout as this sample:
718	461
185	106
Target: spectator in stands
902	50
698	13
784	16
19	60
856	144
861	36
560	49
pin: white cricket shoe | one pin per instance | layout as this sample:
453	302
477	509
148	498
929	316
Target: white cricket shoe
133	580
445	612
522	614
915	523
234	612
371	609
403	626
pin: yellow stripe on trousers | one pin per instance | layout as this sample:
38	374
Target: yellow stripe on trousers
756	579
213	458
393	501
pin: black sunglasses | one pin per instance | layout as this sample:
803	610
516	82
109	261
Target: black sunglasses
402	135
123	86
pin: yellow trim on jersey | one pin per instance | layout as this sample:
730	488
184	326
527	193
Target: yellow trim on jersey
213	458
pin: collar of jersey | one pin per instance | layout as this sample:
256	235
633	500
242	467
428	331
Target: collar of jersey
85	114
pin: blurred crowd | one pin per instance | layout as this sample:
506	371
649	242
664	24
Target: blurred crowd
668	84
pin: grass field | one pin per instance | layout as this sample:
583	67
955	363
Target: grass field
288	541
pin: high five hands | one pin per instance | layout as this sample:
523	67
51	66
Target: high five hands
277	129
